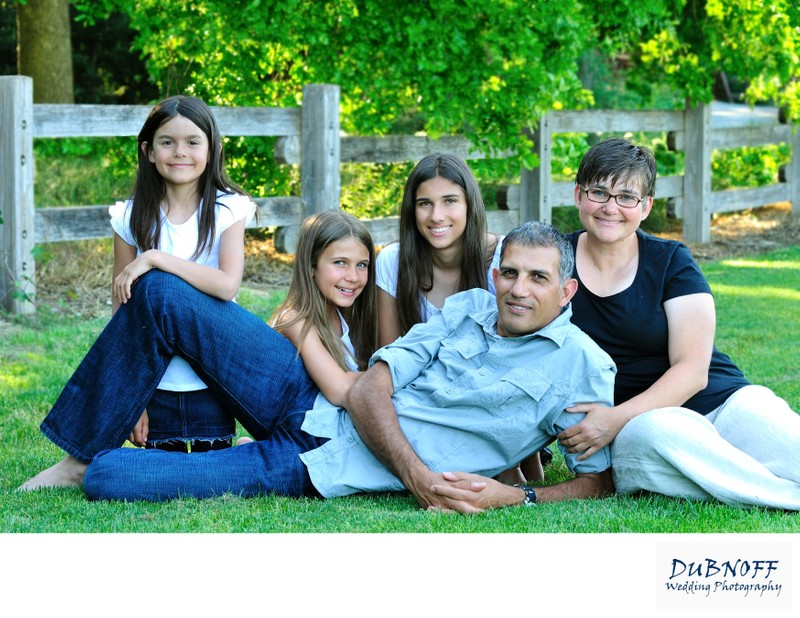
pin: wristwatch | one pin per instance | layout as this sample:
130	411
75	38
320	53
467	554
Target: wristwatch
530	494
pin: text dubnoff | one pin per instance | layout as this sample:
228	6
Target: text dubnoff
709	576
733	576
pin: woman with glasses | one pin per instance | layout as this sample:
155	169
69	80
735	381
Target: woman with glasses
686	422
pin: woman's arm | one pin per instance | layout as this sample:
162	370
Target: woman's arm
332	381
691	321
388	319
222	282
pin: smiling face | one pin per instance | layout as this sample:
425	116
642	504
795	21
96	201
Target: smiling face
179	151
341	271
441	212
609	221
529	292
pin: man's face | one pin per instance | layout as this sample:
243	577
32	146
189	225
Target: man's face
529	293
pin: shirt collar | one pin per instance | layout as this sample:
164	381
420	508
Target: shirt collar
557	330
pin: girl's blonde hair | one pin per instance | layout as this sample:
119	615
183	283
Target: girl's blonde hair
306	301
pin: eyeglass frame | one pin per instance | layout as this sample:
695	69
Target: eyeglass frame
614	195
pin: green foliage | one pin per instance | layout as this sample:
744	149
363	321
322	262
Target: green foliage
373	190
83	171
748	166
251	163
105	70
483	70
755	42
8	38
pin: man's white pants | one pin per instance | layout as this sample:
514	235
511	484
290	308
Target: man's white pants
746	452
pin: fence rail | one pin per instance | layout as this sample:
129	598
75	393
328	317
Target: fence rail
310	136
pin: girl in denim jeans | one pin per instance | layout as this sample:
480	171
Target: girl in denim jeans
328	315
186	218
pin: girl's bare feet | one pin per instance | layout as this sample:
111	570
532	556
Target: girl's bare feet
532	468
512	476
66	473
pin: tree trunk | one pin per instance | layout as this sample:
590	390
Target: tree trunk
45	49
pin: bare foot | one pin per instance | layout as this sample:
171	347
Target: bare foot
512	476
532	468
66	473
244	440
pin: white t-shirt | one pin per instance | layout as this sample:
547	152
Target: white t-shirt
181	241
387	265
350	352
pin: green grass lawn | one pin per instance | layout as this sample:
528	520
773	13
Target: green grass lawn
758	326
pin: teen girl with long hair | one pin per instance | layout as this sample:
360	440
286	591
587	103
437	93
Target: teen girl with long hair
443	247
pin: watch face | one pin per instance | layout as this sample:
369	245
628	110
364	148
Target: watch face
530	494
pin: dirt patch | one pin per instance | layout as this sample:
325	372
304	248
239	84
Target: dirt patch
750	232
75	278
264	267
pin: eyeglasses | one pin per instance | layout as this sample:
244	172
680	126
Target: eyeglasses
624	200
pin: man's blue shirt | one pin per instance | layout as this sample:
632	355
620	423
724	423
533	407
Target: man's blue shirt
468	399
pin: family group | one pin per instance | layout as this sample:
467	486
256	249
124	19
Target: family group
443	365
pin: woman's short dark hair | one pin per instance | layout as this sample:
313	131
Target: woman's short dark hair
618	159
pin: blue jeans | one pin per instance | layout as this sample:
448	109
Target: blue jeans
188	417
252	370
269	466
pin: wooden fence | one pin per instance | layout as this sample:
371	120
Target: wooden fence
310	136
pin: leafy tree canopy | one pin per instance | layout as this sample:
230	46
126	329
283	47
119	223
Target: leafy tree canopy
482	69
757	41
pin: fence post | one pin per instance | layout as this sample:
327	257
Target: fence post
534	185
320	155
794	172
697	173
17	237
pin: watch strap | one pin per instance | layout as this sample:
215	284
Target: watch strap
530	494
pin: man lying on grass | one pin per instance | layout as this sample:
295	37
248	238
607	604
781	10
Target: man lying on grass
477	388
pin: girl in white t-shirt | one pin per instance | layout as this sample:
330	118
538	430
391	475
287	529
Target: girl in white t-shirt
186	218
443	247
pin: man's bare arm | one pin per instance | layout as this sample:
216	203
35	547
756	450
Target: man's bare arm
369	402
464	492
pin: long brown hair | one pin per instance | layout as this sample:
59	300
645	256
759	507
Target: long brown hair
307	302
150	189
415	272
